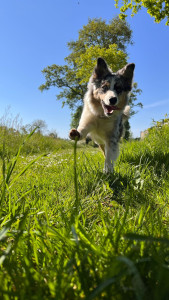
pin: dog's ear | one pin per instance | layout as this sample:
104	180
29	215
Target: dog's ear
127	71
101	69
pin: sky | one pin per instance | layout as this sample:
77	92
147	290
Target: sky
34	34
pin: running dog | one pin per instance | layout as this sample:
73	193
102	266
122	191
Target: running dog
105	109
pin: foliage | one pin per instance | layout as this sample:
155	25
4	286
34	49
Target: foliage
95	39
85	63
76	117
157	9
127	132
95	33
98	32
94	237
133	97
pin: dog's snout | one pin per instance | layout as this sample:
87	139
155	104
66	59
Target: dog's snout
113	100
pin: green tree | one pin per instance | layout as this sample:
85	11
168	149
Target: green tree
157	9
86	62
76	117
97	38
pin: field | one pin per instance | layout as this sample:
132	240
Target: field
68	231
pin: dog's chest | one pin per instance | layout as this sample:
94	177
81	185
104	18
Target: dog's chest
105	129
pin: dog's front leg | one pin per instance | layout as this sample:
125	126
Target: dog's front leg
79	133
111	154
85	126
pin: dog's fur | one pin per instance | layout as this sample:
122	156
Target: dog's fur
105	109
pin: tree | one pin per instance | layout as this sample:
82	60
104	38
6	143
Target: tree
53	134
98	32
76	117
85	63
157	9
39	124
97	38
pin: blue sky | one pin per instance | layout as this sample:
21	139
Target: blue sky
34	34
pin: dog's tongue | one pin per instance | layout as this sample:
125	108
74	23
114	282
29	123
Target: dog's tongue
110	108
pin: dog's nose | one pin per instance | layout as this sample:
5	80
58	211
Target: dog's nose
113	100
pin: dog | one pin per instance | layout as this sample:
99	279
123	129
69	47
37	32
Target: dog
106	109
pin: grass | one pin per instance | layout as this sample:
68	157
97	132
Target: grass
68	231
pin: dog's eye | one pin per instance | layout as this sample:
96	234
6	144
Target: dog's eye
118	88
105	88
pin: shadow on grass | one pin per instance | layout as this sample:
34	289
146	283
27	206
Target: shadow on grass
159	160
134	181
127	190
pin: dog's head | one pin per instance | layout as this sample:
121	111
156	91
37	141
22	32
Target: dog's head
110	89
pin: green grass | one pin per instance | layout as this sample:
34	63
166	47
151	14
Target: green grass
68	231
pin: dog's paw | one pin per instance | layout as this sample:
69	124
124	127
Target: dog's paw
73	134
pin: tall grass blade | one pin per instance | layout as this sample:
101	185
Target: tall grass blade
25	169
144	238
75	178
101	288
138	284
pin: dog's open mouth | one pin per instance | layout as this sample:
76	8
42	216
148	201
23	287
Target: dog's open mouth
108	109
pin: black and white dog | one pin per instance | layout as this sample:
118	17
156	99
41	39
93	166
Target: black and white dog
105	109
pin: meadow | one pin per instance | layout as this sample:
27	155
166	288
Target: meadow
68	231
